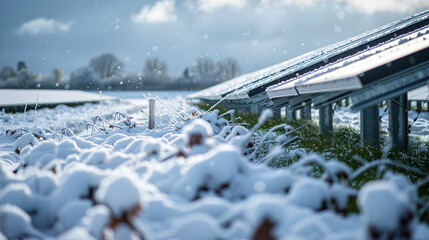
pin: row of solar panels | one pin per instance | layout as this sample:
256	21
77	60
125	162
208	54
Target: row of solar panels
331	73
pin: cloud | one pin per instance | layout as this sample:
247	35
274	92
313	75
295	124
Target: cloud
211	5
44	26
396	6
162	11
362	6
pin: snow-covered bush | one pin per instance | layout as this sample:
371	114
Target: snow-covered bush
387	213
190	178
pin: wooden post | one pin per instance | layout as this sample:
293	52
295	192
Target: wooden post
325	119
151	113
398	122
370	125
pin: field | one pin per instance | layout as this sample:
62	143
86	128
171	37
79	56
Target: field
96	171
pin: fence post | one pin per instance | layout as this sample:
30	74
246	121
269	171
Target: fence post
151	113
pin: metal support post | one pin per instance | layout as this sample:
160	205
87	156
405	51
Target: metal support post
398	122
290	114
370	125
419	106
325	119
306	112
277	112
254	109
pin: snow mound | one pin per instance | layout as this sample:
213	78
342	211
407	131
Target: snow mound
120	194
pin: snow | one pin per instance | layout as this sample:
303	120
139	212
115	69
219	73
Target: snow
385	209
193	182
16	223
309	193
111	192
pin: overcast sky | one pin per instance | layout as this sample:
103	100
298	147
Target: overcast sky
257	33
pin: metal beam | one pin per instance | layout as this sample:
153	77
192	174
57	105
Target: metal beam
370	125
261	97
398	122
391	86
328	98
279	102
299	101
325	119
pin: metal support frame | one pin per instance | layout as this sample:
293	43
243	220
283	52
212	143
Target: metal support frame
370	125
254	109
398	122
290	114
325	119
305	112
419	105
277	113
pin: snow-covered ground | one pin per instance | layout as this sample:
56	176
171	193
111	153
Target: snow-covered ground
190	178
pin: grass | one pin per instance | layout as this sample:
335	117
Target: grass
343	144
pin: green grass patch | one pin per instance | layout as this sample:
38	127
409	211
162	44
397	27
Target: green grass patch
342	144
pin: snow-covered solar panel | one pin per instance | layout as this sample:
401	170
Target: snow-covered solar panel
239	87
21	97
344	74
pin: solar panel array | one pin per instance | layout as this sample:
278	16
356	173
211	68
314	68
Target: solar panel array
344	74
249	85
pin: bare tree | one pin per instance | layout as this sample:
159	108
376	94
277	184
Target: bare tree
205	67
21	66
7	72
155	67
228	69
58	75
107	65
205	72
84	78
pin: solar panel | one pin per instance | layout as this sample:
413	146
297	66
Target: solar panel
344	75
255	83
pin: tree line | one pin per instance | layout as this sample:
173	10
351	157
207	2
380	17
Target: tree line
105	72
